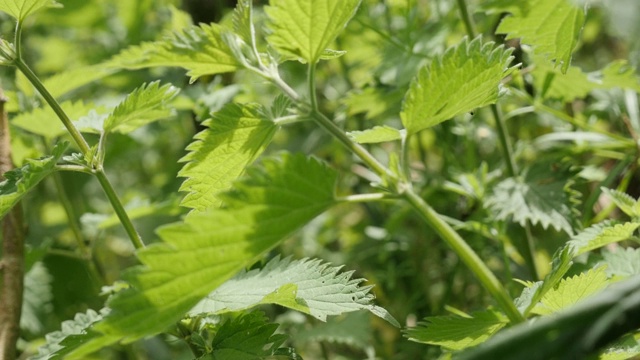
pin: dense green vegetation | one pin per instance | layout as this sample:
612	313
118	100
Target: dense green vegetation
475	161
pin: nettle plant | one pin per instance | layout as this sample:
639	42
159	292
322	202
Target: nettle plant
200	281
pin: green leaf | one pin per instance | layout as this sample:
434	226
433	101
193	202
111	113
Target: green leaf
304	285
466	77
626	348
576	84
44	122
198	49
572	333
571	290
198	255
242	20
70	328
235	137
353	329
248	337
37	298
20	181
622	262
601	234
69	80
303	29
145	104
624	202
536	198
552	27
457	333
20	9
376	135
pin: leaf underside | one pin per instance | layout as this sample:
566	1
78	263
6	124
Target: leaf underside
20	9
198	255
309	286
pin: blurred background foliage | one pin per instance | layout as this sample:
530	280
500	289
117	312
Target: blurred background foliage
458	162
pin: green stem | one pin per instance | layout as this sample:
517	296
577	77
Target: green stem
119	209
466	18
311	79
360	198
55	106
71	214
466	254
84	147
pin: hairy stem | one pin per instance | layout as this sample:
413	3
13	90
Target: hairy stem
466	254
12	261
84	147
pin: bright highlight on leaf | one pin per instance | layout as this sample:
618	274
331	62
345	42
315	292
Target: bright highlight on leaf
20	9
236	136
571	290
457	333
305	285
466	77
198	255
198	49
303	29
552	27
377	134
144	105
20	181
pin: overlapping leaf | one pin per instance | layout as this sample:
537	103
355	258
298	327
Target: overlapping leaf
44	122
552	27
624	202
602	234
198	49
248	337
70	330
20	9
71	79
572	333
303	29
235	137
622	262
466	77
144	105
305	285
456	332
571	290
532	199
20	181
578	84
199	254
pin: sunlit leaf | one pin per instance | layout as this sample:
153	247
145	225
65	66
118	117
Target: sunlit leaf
571	290
601	234
466	77
456	332
20	9
309	286
235	137
62	83
198	255
198	49
552	27
144	105
624	202
375	135
303	29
